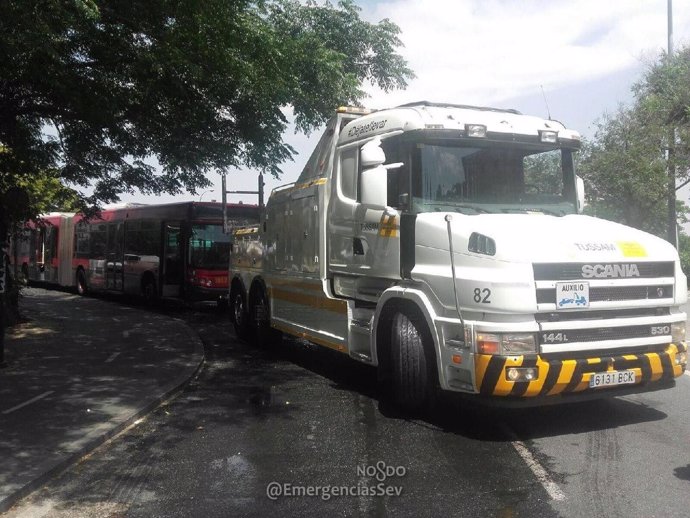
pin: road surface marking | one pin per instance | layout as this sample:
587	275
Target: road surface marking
112	357
542	475
687	373
25	403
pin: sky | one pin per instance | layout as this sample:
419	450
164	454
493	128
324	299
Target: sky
585	54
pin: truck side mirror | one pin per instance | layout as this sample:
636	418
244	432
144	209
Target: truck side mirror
373	180
374	177
371	154
374	186
580	192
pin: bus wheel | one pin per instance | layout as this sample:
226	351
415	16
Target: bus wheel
412	363
82	287
149	292
240	317
264	334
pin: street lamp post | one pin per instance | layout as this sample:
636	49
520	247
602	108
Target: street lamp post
205	192
671	179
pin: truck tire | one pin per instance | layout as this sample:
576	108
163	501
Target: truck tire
264	334
412	363
240	315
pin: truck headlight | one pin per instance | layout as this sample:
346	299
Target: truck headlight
678	332
509	344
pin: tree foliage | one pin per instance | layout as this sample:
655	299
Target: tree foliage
150	95
625	165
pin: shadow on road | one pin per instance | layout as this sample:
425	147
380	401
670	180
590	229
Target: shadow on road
449	413
257	380
683	472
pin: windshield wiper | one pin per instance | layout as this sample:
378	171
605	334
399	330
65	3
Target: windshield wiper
457	207
532	209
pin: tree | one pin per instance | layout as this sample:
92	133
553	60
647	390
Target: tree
153	94
625	165
624	169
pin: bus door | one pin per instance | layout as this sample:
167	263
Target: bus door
173	267
114	272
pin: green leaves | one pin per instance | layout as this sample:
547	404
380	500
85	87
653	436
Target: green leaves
153	94
625	166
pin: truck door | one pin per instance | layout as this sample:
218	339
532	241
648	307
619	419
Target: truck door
363	236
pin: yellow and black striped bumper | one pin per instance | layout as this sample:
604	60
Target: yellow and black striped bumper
563	376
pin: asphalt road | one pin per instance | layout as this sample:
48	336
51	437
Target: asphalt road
303	419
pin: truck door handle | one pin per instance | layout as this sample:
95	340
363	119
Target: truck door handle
357	246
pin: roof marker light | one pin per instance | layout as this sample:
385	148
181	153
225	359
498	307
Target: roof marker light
475	130
354	109
548	137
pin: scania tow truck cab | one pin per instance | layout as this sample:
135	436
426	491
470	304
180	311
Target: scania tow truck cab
445	245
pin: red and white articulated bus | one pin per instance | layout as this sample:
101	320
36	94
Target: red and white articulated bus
174	250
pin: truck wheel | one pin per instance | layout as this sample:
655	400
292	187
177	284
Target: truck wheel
240	316
264	334
82	287
412	363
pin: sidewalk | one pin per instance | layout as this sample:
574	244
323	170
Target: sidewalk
79	372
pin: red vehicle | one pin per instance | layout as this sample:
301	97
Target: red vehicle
173	250
37	249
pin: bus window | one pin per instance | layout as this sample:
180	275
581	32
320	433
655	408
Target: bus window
81	242
98	239
51	240
143	238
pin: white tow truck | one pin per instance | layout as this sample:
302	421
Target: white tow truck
445	245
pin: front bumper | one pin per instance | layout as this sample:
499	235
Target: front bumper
571	376
200	293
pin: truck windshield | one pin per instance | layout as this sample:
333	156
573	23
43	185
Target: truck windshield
209	247
492	179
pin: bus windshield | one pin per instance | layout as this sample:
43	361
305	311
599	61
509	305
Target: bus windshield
209	247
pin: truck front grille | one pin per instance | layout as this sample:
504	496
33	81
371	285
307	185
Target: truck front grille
596	334
574	271
602	314
623	279
618	293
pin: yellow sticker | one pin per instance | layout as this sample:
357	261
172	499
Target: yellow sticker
388	226
632	249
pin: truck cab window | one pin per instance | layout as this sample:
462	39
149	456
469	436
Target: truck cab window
399	178
349	173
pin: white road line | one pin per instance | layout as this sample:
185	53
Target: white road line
112	357
687	373
542	475
551	487
25	403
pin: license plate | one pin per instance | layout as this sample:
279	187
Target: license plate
572	295
608	379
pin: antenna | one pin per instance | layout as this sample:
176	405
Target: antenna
548	111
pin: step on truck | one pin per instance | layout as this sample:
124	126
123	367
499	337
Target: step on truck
446	245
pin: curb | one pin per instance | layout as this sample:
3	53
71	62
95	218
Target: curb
170	391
